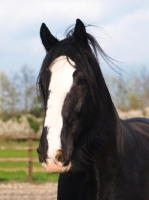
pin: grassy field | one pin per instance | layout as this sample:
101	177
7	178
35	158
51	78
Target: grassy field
17	171
21	176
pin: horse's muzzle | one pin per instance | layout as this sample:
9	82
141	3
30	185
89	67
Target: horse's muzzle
55	165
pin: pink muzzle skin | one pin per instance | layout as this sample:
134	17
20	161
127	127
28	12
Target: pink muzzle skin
52	166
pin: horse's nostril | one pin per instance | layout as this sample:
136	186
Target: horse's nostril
60	156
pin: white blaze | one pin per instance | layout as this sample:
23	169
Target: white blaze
60	84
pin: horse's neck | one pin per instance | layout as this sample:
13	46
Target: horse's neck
98	179
92	184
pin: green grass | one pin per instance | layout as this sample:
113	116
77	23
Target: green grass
17	143
13	176
45	177
16	154
20	175
8	165
33	124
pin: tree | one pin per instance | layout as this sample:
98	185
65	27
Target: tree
144	87
119	91
27	86
4	87
131	92
9	96
13	97
18	94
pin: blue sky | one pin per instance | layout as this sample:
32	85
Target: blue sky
124	33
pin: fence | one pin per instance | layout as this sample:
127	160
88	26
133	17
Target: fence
29	148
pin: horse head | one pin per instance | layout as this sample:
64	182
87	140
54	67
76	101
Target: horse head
73	92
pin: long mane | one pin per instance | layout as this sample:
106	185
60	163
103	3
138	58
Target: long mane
80	55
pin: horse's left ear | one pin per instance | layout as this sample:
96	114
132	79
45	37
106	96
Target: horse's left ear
47	38
80	33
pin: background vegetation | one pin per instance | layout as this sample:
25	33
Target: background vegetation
130	91
18	93
18	97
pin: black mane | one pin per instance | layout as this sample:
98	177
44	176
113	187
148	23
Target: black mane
82	56
109	157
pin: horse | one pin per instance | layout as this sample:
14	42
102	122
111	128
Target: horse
98	155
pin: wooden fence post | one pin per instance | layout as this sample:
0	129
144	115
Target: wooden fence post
28	148
30	179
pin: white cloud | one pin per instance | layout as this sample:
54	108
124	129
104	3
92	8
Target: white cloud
17	14
20	22
130	37
126	22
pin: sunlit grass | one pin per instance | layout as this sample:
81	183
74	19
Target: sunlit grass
16	154
17	143
10	165
21	176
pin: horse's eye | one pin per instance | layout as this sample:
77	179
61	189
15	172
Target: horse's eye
82	81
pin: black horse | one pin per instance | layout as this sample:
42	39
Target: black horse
99	156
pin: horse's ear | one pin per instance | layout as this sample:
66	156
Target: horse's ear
47	38
80	33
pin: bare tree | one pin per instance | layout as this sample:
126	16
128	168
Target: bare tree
130	91
144	87
4	87
13	97
27	87
9	98
119	91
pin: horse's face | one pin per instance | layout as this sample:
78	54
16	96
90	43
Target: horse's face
65	116
77	103
69	112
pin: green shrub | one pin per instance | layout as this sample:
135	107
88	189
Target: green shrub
33	124
18	117
37	112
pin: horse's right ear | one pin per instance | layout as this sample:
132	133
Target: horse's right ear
47	38
80	33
